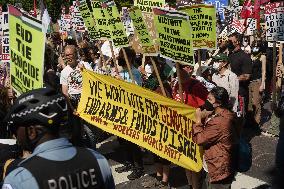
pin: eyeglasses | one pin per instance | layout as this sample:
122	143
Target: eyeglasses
67	55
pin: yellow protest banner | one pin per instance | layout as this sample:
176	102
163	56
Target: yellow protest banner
27	46
142	31
143	117
203	23
174	35
148	5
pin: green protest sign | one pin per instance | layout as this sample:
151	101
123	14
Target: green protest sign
27	46
88	19
174	35
203	23
117	30
148	5
101	19
142	31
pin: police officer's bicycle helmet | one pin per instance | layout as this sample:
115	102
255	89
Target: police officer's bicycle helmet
43	107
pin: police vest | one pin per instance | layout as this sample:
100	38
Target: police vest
82	171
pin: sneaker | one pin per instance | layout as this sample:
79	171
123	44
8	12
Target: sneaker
124	168
137	173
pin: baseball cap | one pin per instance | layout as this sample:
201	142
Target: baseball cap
221	56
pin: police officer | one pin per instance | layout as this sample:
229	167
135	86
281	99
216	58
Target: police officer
35	119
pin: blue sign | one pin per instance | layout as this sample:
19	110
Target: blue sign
220	6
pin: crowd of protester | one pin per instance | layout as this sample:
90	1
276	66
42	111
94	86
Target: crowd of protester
228	92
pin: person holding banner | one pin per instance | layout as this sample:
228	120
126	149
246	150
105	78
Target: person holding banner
218	135
195	95
194	92
71	83
124	73
133	153
162	165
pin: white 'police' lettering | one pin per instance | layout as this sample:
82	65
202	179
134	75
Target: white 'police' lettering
83	179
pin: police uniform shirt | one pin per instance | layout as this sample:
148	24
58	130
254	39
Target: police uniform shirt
54	150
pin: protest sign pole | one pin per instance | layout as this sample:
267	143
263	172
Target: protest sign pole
101	54
63	41
113	57
274	75
279	79
158	76
179	82
75	35
128	66
199	62
143	61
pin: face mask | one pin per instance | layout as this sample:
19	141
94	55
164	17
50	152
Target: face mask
255	50
231	46
216	65
121	62
207	106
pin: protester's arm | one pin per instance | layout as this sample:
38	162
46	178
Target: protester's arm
205	135
244	77
65	93
65	90
234	91
263	72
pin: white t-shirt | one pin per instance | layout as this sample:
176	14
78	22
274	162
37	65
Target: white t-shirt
230	82
72	78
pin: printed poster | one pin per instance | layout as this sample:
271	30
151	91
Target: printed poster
174	35
203	23
142	117
27	46
148	5
142	31
220	6
274	18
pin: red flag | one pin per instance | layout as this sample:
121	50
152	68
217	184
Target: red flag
246	10
35	14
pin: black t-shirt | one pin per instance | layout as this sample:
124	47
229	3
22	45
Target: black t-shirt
240	63
256	69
